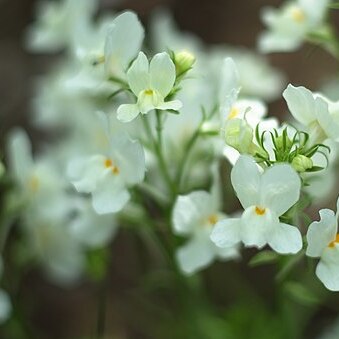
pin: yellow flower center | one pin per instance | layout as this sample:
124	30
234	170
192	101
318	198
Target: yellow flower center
33	183
259	210
298	14
212	219
109	164
234	113
149	92
335	241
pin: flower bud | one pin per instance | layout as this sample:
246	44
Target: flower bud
301	163
239	135
279	141
183	62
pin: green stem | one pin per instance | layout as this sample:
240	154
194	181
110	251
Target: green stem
186	153
289	266
157	146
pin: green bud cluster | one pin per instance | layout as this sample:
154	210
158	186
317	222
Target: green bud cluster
296	150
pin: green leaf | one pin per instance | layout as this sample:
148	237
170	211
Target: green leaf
172	111
301	293
315	169
96	265
263	257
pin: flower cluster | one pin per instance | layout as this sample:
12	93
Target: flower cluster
144	135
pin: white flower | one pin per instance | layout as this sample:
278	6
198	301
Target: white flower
106	176
45	224
56	23
37	180
257	78
112	43
313	111
290	25
194	215
230	105
123	42
51	241
239	115
265	197
323	243
151	83
104	50
91	229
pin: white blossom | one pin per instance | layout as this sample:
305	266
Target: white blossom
314	111
265	197
56	23
194	215
108	175
290	25
151	83
323	243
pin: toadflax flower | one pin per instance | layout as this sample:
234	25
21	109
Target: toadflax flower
194	215
323	243
290	25
314	111
56	22
151	83
107	175
239	117
265	197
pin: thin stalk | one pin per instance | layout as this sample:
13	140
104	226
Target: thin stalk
157	147
186	153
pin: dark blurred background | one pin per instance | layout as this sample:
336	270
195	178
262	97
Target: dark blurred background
57	313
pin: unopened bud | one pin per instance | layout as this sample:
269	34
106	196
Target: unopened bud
239	135
301	163
183	62
283	145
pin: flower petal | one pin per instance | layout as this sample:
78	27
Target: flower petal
245	177
328	269
91	229
256	228
226	233
127	112
174	105
228	252
300	102
129	157
326	120
162	73
321	233
285	239
190	211
123	41
229	87
110	195
280	188
20	155
138	74
84	173
195	255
